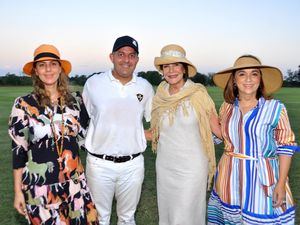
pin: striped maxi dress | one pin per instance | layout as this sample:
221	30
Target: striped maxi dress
249	168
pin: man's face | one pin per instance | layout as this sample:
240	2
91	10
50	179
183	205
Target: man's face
124	60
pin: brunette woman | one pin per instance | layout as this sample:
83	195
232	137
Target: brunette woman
45	126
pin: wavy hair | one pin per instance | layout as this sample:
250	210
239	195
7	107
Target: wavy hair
43	96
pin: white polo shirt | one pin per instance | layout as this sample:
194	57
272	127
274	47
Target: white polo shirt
116	112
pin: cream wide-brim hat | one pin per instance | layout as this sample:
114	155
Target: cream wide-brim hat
47	52
174	54
271	76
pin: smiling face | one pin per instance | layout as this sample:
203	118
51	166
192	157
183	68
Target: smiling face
48	72
247	81
124	60
173	74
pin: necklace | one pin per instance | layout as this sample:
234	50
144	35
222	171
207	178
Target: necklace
59	149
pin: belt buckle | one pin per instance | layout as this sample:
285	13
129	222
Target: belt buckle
109	158
114	159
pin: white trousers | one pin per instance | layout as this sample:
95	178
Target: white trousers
107	179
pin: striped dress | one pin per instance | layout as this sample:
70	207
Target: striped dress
249	168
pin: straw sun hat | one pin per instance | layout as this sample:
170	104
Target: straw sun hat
271	76
47	52
174	54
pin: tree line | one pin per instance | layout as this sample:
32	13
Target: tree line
292	79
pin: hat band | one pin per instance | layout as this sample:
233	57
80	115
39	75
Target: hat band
45	54
173	53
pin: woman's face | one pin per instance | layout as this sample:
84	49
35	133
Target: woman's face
48	71
173	73
247	81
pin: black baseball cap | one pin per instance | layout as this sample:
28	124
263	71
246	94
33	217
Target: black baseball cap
126	41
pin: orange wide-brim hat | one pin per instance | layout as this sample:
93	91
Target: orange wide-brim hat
47	52
174	54
271	76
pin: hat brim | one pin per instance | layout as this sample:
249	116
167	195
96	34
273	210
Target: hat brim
65	64
158	61
271	76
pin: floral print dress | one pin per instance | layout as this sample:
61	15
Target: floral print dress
54	183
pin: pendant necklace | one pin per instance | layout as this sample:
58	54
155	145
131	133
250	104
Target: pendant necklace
59	148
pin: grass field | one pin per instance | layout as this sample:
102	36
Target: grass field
147	210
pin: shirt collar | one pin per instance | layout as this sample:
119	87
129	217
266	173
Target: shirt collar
260	102
112	78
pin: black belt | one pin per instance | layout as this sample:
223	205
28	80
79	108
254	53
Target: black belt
116	159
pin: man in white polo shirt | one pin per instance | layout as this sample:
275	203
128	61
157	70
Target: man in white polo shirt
117	101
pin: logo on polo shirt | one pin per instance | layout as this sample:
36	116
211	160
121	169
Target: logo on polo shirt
139	97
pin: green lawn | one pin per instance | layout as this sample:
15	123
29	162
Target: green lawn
147	210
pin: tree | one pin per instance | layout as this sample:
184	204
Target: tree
14	80
293	78
78	80
200	78
153	77
210	79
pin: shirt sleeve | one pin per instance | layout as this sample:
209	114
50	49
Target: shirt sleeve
86	99
284	135
148	104
18	131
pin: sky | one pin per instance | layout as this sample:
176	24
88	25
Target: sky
213	33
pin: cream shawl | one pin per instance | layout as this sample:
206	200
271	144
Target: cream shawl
203	105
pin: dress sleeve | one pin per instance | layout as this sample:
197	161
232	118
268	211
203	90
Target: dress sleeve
83	116
284	135
222	110
83	120
18	131
215	138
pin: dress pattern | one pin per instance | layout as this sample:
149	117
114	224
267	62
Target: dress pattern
249	168
54	185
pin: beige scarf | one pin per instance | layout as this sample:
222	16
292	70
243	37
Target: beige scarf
203	106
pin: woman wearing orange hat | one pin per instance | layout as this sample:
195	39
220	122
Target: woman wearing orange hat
49	180
183	118
251	183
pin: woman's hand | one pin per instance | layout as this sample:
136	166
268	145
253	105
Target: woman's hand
19	203
279	195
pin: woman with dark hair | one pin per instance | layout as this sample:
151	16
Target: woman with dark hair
183	119
251	182
45	126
